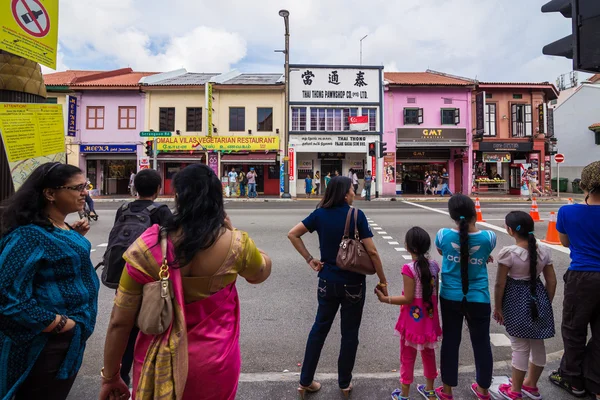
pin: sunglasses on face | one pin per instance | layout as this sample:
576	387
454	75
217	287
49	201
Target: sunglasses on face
78	188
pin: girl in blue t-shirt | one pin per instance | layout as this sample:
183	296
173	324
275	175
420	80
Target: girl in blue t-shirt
464	294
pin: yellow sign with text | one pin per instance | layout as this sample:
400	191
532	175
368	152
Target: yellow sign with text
218	143
29	28
33	134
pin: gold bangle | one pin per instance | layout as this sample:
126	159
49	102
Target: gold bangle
112	377
390	299
382	284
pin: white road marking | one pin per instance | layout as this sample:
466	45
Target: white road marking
387	237
400	249
92	250
373	224
499	340
382	233
103	245
490	226
407	257
394	243
377	228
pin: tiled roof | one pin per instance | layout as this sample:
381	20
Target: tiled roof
187	79
255	79
130	79
516	83
595	78
595	126
65	78
427	78
548	88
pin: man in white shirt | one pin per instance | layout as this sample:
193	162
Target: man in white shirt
232	181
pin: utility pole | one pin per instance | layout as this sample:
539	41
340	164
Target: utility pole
285	14
361	40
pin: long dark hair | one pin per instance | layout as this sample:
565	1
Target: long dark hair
523	226
335	195
28	204
418	242
200	214
462	211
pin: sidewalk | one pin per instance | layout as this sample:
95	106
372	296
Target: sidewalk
372	386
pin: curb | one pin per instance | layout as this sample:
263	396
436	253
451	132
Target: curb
172	200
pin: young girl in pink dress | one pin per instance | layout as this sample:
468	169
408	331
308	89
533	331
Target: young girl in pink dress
418	324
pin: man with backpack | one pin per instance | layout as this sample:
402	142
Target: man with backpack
131	221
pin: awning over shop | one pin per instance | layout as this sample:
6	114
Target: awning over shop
108	156
252	158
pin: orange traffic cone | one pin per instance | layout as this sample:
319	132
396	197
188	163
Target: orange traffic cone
552	233
478	211
535	212
570	201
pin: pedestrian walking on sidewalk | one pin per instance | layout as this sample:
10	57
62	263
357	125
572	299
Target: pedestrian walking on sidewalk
523	304
336	287
367	184
243	183
48	286
434	181
577	227
317	183
445	183
419	322
308	186
465	294
532	183
252	176
131	186
198	356
354	178
327	179
232	182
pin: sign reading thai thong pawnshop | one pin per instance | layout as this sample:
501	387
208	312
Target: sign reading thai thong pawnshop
335	84
332	143
431	136
218	143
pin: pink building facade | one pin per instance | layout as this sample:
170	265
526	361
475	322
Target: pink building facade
427	127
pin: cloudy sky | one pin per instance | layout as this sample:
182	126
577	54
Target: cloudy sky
492	40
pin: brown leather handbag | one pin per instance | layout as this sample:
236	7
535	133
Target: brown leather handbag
352	255
156	312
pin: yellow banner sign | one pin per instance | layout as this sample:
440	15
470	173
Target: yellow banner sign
29	28
33	134
218	143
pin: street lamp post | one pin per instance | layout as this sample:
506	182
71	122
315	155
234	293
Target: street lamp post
285	14
361	40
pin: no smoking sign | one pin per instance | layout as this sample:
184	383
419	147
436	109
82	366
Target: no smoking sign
31	16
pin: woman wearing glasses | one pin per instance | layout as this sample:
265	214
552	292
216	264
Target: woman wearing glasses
48	286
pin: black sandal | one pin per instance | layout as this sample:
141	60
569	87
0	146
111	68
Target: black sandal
557	379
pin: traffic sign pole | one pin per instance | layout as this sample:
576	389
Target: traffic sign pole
559	159
154	151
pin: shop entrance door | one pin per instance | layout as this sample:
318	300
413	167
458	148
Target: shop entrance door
170	170
330	166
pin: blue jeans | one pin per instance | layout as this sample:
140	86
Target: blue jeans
445	190
90	203
252	190
351	298
242	190
368	190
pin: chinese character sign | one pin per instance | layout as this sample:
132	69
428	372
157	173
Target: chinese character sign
317	84
72	117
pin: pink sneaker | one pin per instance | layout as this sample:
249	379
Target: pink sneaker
480	396
441	395
531	392
507	393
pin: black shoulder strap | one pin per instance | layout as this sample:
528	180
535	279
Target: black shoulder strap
154	207
125	206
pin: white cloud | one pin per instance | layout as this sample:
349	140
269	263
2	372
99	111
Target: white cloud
484	39
60	63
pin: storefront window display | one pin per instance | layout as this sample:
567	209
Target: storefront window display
116	175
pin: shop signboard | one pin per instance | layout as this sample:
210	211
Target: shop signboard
292	168
431	137
496	157
389	166
319	143
281	176
107	148
213	162
335	84
305	165
218	143
480	113
506	146
72	116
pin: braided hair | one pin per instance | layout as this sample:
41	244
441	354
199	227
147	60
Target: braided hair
418	242
522	225
462	211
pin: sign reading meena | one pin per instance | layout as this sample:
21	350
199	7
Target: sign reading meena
431	136
335	84
320	143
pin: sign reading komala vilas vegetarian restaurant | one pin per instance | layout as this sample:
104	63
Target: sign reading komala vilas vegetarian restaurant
335	84
218	143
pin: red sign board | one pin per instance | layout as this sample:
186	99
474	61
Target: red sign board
291	163
559	158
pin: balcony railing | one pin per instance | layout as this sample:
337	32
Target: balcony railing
519	130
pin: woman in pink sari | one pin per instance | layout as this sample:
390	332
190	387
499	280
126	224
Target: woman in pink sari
198	357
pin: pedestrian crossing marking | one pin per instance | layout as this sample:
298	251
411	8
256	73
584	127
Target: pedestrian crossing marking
374	225
393	243
382	233
378	228
407	257
499	340
103	245
400	249
387	237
